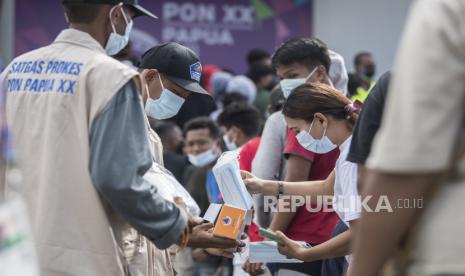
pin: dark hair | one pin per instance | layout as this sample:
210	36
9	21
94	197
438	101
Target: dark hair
355	81
233	97
358	57
164	128
243	116
82	12
308	99
308	51
277	99
256	55
258	71
200	123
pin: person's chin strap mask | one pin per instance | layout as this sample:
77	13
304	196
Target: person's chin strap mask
117	42
164	107
203	159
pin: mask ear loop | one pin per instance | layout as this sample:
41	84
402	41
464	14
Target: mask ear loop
324	131
310	128
330	81
311	73
148	91
147	88
124	16
162	86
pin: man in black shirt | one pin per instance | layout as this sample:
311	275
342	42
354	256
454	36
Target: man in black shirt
368	123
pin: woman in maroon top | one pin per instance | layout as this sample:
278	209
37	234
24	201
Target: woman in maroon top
312	227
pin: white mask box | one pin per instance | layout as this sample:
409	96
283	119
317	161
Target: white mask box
230	183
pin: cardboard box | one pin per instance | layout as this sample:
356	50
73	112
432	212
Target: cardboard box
230	222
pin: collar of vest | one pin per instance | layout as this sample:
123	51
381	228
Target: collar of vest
80	38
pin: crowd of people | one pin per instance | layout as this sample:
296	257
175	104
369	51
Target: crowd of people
117	155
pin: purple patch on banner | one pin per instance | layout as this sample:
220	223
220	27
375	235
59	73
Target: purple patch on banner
221	32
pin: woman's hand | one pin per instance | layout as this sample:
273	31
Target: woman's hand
254	184
288	247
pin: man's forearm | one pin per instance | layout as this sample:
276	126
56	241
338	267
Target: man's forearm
377	234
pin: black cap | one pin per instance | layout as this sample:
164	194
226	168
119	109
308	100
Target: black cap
139	10
179	64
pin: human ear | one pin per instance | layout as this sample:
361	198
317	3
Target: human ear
150	75
322	119
321	73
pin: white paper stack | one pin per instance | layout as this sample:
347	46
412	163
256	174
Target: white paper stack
228	177
267	252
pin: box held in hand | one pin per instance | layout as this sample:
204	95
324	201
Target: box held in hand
228	176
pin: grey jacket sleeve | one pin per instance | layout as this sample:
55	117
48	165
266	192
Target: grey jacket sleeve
269	162
120	156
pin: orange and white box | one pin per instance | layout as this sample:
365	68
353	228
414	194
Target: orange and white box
230	222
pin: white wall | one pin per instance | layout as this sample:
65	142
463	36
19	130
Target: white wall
350	26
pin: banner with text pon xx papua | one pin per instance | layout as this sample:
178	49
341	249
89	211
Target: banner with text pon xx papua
221	32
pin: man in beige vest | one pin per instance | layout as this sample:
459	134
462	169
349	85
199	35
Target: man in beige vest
78	126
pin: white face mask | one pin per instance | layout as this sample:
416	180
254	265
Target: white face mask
203	159
164	107
229	145
321	146
117	42
287	85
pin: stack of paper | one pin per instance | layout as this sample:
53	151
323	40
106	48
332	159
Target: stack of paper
228	176
267	252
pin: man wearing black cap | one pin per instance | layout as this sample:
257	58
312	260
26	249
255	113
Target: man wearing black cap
78	122
172	72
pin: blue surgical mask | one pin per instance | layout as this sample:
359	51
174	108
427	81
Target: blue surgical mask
321	146
164	107
229	145
287	85
203	159
117	42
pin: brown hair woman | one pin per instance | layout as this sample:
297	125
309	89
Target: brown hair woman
323	118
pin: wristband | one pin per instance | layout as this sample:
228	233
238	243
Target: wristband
280	189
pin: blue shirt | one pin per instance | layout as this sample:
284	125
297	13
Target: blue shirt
213	191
